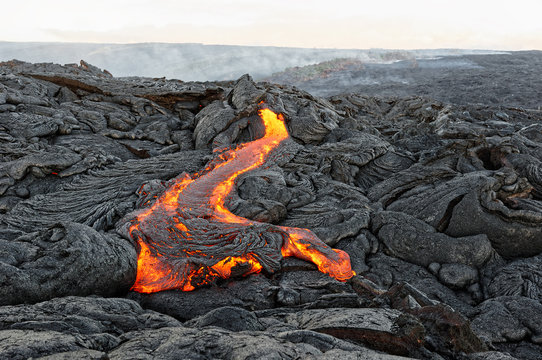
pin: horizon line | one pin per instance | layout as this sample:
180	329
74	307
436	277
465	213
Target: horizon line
260	46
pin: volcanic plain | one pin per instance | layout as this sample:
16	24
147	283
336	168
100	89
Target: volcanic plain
437	202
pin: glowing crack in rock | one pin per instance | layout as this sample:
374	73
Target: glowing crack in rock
188	238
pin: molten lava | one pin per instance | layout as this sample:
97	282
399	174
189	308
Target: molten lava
188	237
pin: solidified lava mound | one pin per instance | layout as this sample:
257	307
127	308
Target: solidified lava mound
188	237
437	205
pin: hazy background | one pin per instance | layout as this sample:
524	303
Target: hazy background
199	62
345	24
223	39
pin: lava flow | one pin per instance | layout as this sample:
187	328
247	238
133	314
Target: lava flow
188	238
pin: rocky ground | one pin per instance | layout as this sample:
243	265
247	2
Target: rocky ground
492	79
199	62
439	206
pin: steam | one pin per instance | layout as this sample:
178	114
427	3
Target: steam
191	62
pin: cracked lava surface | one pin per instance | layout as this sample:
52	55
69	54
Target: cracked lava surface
188	238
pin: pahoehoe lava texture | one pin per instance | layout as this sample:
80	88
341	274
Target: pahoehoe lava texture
188	238
438	205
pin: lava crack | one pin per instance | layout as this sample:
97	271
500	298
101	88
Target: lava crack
188	238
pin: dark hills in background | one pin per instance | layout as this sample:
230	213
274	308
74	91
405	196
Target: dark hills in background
198	62
511	79
449	75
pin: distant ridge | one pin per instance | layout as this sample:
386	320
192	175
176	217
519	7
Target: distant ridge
192	61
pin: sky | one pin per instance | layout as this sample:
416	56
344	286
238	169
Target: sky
342	24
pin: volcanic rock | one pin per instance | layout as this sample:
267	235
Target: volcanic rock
457	275
72	326
383	329
419	243
509	319
437	204
34	265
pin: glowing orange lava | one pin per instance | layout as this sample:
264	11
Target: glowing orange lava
188	237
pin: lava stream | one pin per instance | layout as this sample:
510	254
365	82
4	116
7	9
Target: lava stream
188	237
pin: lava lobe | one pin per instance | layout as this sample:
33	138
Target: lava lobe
188	238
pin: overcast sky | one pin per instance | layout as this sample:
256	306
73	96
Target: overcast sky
398	24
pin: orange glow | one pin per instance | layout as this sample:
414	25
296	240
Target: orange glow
202	196
223	268
301	244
